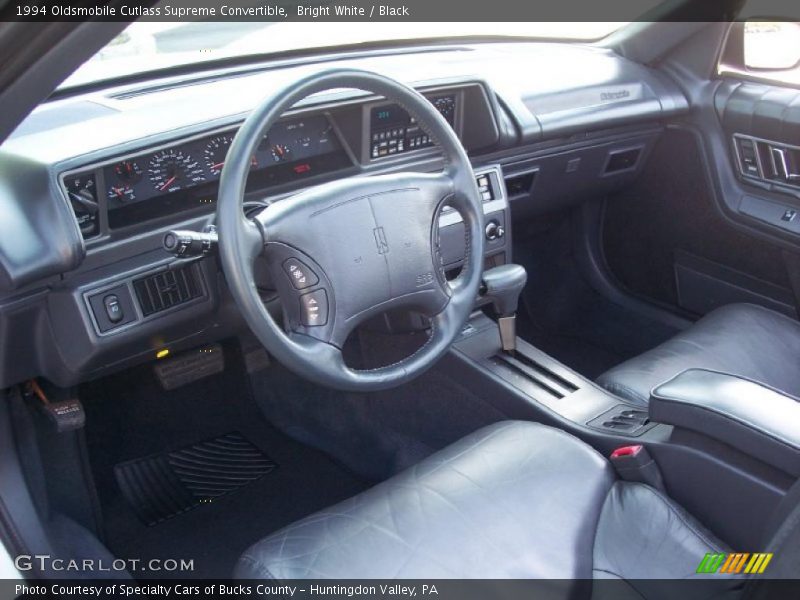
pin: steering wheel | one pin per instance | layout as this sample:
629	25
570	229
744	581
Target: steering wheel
342	252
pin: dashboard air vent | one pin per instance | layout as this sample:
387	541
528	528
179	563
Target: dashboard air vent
167	289
622	160
521	184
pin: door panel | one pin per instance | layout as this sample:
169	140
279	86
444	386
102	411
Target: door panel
668	238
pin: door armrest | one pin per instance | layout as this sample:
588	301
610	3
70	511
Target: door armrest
757	420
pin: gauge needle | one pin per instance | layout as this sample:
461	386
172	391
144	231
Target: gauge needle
217	166
168	183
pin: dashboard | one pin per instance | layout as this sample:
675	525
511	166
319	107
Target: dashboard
182	176
91	184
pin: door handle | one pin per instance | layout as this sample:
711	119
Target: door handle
781	162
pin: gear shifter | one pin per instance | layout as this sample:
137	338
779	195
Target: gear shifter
503	285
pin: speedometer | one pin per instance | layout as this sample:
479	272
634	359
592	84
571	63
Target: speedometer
171	170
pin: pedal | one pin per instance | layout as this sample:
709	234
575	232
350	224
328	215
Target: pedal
256	360
190	366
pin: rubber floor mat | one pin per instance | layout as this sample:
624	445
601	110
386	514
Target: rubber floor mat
165	485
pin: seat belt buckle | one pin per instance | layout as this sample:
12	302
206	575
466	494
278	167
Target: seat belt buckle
634	463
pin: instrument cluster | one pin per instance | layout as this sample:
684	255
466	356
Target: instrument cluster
184	175
294	142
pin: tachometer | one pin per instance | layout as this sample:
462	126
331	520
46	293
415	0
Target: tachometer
171	170
215	153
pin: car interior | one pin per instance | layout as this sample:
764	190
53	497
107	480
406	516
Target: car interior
454	308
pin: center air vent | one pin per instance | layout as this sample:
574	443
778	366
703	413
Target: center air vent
167	289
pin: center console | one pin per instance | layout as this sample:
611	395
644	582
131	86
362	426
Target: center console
731	410
720	443
531	384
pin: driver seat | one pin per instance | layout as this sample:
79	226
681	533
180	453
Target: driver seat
512	500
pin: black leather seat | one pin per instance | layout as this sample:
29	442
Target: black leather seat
740	339
512	500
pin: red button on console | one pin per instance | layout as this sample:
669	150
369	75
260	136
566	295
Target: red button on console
627	451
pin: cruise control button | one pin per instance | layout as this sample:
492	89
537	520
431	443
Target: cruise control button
300	274
314	308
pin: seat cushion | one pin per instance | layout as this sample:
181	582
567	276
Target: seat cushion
644	539
740	339
512	500
642	534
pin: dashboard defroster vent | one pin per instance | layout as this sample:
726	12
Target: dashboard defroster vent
167	289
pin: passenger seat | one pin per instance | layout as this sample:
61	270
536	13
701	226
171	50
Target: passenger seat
740	339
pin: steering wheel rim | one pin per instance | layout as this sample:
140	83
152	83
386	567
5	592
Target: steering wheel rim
400	207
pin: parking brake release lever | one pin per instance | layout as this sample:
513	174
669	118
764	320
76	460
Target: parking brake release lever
503	285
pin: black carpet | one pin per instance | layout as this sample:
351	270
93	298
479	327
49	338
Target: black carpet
564	316
375	434
165	485
130	417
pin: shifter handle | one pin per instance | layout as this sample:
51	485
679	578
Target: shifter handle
503	285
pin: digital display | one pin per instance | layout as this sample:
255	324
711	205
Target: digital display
185	175
393	131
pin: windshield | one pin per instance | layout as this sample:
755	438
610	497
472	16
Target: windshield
150	46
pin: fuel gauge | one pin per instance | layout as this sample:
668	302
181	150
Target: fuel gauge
280	152
128	172
124	176
121	193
